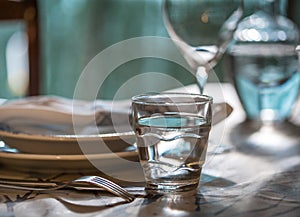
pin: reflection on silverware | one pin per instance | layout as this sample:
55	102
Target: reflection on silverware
5	148
82	183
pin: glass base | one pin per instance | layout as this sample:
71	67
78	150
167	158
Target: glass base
267	138
170	188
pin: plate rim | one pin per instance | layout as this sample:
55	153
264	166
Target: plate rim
79	157
67	138
22	162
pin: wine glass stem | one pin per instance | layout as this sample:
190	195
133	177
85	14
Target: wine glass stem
201	76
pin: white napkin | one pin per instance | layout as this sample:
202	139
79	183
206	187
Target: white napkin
40	113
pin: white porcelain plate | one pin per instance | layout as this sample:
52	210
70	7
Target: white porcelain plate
45	125
61	163
67	144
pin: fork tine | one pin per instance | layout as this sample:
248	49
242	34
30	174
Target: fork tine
113	190
104	181
120	190
106	184
106	187
112	184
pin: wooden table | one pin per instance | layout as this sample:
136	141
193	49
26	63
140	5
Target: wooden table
235	182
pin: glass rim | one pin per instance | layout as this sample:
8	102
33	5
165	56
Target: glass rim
197	98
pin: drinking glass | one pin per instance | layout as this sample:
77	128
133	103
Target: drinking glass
172	131
202	31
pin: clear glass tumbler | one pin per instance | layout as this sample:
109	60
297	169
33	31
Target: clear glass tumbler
172	131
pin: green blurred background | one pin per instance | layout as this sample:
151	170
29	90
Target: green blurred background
72	32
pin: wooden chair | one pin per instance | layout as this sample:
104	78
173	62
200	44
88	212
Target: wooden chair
26	10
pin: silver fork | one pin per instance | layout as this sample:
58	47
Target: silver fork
107	185
76	184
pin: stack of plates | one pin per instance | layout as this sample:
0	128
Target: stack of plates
53	133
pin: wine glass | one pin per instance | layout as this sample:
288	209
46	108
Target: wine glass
202	31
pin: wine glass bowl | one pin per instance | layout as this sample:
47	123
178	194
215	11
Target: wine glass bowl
202	30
